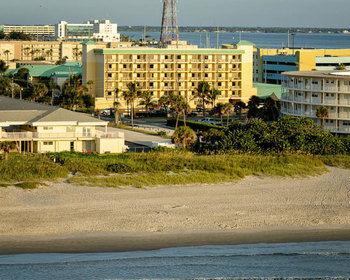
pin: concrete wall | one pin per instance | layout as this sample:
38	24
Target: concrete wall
107	145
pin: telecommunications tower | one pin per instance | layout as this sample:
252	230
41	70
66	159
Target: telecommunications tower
170	28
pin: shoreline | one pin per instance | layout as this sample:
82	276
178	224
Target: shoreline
128	242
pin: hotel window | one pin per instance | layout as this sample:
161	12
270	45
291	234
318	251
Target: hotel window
166	84
193	75
109	93
138	75
138	65
50	143
48	128
179	57
139	57
219	84
124	66
206	57
151	84
110	66
109	75
206	75
151	66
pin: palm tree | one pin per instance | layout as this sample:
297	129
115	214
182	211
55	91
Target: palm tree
6	147
49	54
130	96
322	114
228	110
238	107
180	106
147	101
116	106
202	93
219	110
213	96
73	92
184	136
26	52
90	83
7	54
3	67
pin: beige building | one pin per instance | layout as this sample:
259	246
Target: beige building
39	128
50	51
305	91
178	68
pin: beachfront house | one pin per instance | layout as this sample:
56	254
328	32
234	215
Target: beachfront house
39	128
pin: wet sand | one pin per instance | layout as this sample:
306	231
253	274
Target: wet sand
67	218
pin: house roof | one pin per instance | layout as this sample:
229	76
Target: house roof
19	112
48	71
268	90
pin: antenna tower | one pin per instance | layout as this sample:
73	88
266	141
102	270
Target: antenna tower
170	28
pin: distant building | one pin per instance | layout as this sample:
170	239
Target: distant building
58	73
269	64
101	30
305	91
39	128
33	30
178	68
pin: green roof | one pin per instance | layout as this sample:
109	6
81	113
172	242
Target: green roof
167	51
245	43
267	90
48	71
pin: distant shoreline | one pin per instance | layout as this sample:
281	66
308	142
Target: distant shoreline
124	242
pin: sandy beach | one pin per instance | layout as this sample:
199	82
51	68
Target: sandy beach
68	218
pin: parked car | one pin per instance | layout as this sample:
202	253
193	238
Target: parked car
209	121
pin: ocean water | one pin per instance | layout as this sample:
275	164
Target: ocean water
294	260
263	40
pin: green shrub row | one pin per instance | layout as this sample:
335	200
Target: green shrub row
288	134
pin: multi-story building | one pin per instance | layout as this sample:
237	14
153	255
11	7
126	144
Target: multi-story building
304	92
269	64
50	51
173	69
102	30
33	30
39	128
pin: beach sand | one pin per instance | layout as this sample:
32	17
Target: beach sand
68	218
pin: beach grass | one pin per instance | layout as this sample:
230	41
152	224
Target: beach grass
167	167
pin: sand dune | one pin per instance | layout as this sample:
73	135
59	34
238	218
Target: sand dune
257	204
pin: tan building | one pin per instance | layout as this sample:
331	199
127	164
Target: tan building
178	68
305	91
50	51
39	128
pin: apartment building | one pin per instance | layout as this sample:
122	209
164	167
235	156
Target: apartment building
178	68
50	51
101	30
38	128
269	64
33	30
305	91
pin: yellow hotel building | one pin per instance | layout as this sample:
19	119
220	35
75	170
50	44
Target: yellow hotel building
178	68
269	64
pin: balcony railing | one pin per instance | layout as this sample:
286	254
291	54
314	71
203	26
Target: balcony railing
29	136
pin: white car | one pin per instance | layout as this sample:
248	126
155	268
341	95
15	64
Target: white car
209	121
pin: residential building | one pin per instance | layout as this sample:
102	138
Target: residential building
178	68
39	128
49	51
269	64
33	30
100	30
58	73
305	91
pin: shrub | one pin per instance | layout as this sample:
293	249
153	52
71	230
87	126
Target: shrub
184	136
120	168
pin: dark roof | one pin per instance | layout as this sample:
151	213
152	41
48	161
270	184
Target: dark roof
20	111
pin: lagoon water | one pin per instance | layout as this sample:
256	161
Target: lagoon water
263	40
308	260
